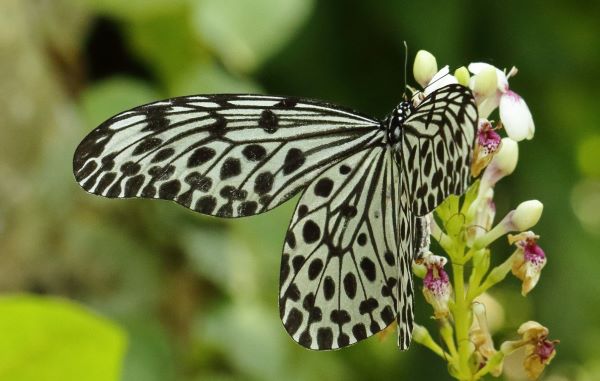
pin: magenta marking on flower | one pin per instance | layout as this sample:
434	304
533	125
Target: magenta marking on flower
533	253
512	95
436	280
488	138
545	350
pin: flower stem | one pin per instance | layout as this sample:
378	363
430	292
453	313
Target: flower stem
461	321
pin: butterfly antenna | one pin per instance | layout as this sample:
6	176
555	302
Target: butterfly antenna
405	68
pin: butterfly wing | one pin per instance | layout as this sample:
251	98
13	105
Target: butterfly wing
411	236
223	155
339	271
435	158
437	145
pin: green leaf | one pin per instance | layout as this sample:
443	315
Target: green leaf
245	33
55	339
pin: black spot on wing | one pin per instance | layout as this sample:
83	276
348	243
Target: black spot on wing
328	288
350	285
294	159
206	204
162	155
218	128
368	268
200	156
247	208
311	231
254	152
315	268
323	187
231	167
324	338
268	121
133	185
263	183
293	321
130	168
359	331
146	145
197	181
169	189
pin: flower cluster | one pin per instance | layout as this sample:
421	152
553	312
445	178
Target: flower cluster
465	227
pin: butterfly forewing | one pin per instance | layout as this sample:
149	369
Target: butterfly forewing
224	155
339	273
437	144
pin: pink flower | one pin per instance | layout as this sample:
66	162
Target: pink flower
539	351
488	143
436	285
530	259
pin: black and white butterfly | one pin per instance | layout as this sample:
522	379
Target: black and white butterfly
346	265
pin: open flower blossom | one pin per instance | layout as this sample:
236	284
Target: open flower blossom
514	113
529	260
486	145
539	351
436	285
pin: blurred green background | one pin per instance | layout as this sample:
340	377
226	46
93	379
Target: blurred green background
96	289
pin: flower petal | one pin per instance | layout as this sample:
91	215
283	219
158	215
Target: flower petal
478	67
440	79
516	117
488	105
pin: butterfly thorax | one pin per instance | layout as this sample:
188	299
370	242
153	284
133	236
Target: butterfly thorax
394	122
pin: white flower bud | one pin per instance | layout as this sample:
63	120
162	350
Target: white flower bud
485	82
506	158
527	214
420	333
516	117
503	164
424	68
462	76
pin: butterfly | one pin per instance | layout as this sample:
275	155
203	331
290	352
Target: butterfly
365	183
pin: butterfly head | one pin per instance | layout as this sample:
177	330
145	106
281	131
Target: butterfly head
396	120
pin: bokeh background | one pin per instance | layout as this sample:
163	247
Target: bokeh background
100	289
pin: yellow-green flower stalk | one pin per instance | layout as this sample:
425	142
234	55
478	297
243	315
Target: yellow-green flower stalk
464	228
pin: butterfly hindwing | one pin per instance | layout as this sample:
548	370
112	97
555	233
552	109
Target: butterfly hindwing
339	272
223	155
437	144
